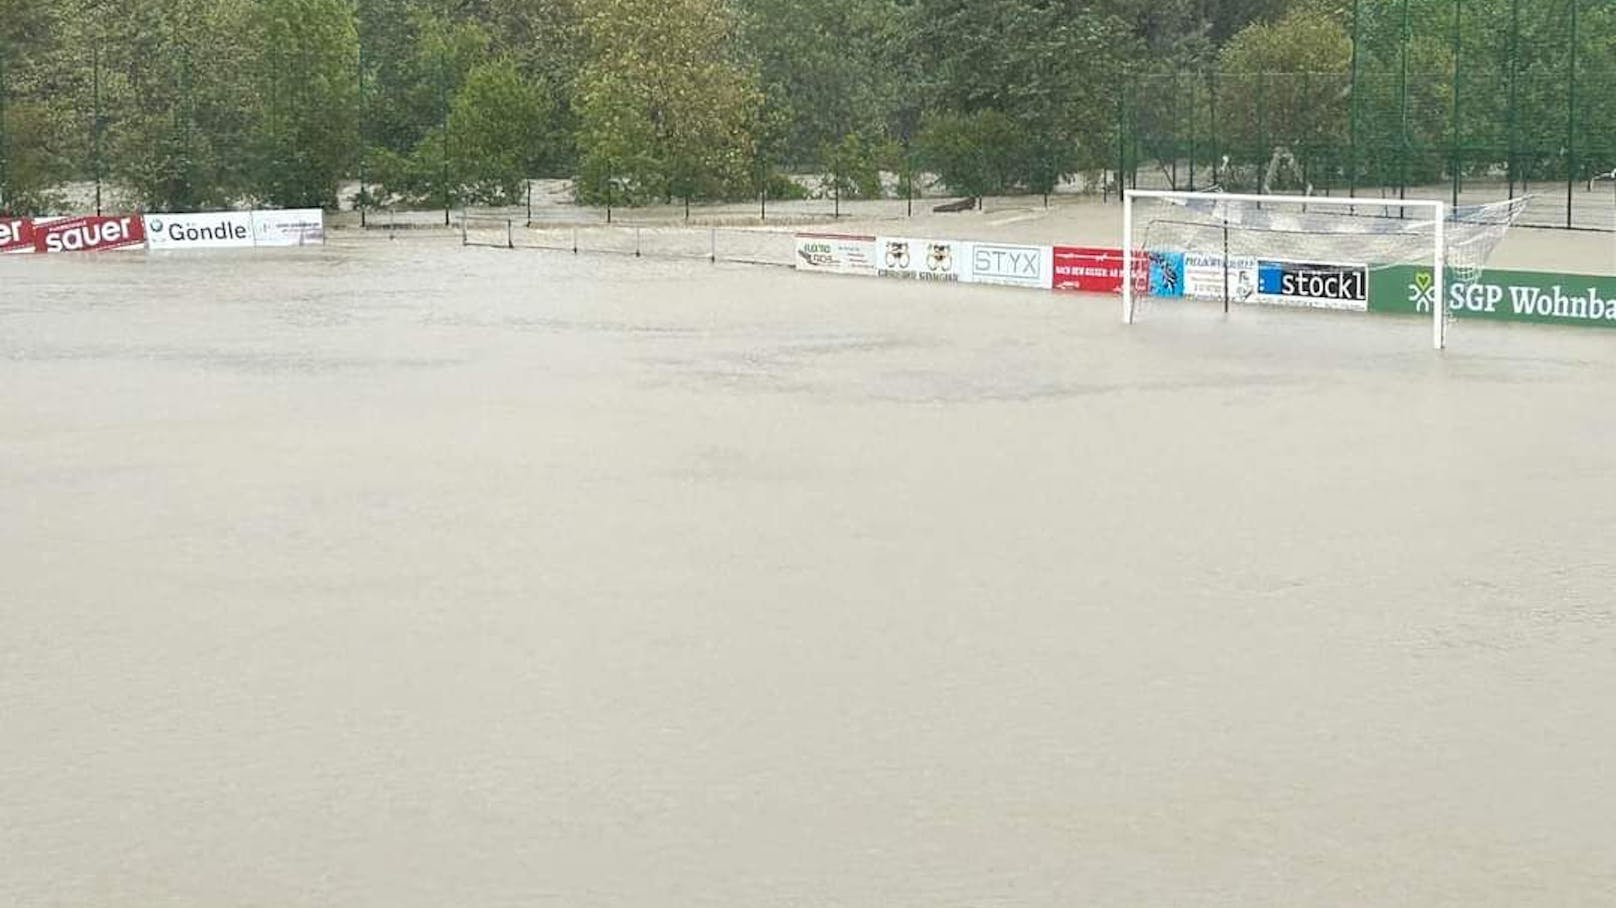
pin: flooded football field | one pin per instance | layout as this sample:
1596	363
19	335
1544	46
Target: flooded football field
401	574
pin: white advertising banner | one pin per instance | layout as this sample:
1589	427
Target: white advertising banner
294	227
1012	266
926	260
208	230
836	253
1204	277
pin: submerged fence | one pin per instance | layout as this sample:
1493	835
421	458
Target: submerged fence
661	241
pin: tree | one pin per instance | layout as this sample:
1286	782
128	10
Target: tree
308	133
1284	89
1030	73
663	107
976	153
34	124
828	69
504	130
177	99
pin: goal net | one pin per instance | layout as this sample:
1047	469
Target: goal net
1311	251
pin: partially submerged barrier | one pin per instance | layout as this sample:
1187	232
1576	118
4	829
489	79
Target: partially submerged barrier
163	232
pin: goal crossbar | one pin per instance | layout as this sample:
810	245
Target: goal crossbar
1437	208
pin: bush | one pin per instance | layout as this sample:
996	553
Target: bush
780	187
855	166
500	128
972	153
990	152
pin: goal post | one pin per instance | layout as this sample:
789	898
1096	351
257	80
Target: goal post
1304	241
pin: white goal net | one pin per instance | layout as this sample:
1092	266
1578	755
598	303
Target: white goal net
1299	250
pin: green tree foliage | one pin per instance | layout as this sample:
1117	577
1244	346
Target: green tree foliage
504	127
177	116
32	130
200	103
976	153
664	109
1017	86
828	69
1289	93
854	166
307	136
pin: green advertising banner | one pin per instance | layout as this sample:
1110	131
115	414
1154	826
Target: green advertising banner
1578	300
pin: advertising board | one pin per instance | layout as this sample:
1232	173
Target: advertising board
1576	300
1205	278
293	227
1322	286
16	235
836	253
1166	273
1012	266
1087	269
90	233
209	230
926	260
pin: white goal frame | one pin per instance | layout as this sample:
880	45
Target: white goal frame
1437	208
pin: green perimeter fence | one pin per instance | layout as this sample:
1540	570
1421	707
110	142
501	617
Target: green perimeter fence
1466	100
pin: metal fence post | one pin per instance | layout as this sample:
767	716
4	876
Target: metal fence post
443	102
1453	145
1352	100
1212	112
1195	129
95	123
1514	78
1571	116
1402	106
5	197
361	200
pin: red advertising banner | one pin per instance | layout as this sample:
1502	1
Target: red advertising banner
16	235
1089	269
89	233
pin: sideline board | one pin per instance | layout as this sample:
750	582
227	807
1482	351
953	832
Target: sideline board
1573	300
926	260
208	230
89	233
291	227
834	253
1012	265
1314	285
1206	279
1088	269
162	232
16	236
